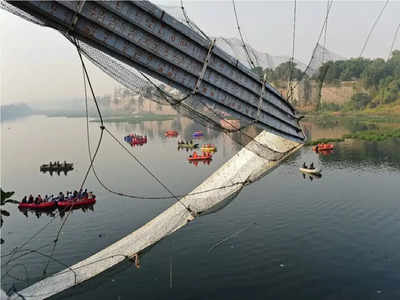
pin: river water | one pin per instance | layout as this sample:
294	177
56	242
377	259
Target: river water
285	236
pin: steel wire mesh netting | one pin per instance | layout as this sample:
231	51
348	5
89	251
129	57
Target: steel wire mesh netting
209	114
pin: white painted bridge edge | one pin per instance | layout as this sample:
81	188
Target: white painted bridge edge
243	166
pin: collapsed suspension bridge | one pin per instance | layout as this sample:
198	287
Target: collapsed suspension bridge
120	36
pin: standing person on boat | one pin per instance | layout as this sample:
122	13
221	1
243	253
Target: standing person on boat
30	199
304	165
312	166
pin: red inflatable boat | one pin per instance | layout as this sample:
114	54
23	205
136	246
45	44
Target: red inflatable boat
76	203
43	205
204	156
171	133
323	147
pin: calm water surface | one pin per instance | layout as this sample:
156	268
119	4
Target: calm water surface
330	238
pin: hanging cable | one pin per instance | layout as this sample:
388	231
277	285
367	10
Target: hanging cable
394	41
325	33
373	27
291	63
192	24
251	63
316	45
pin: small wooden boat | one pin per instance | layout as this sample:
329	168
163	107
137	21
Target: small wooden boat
310	171
204	156
323	147
197	133
42	205
76	202
208	148
170	133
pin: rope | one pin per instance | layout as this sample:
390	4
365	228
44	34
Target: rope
192	24
291	66
394	41
241	37
316	45
373	27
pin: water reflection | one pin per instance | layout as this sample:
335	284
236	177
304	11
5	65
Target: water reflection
204	162
53	212
355	153
58	172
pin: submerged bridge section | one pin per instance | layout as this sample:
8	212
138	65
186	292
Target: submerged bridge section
142	36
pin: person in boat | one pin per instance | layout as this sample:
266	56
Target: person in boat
23	199
312	166
85	194
304	165
61	196
46	198
80	194
75	194
30	199
90	195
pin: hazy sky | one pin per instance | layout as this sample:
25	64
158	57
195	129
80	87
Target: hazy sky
39	64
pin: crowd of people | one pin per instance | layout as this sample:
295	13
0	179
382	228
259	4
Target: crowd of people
68	196
57	164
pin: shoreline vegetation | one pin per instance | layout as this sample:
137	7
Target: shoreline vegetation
372	128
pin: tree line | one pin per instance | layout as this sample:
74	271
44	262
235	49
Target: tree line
380	79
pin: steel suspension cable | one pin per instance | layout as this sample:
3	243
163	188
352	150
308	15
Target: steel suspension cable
394	40
241	37
373	27
316	45
291	65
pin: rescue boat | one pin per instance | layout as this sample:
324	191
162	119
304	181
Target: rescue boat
171	133
42	205
204	156
323	147
208	148
76	203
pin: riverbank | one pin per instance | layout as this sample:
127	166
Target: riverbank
362	126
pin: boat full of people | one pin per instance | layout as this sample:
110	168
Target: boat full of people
56	166
171	133
198	134
208	148
187	144
203	156
135	139
69	199
323	147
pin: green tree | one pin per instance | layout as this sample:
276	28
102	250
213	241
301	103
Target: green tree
4	199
